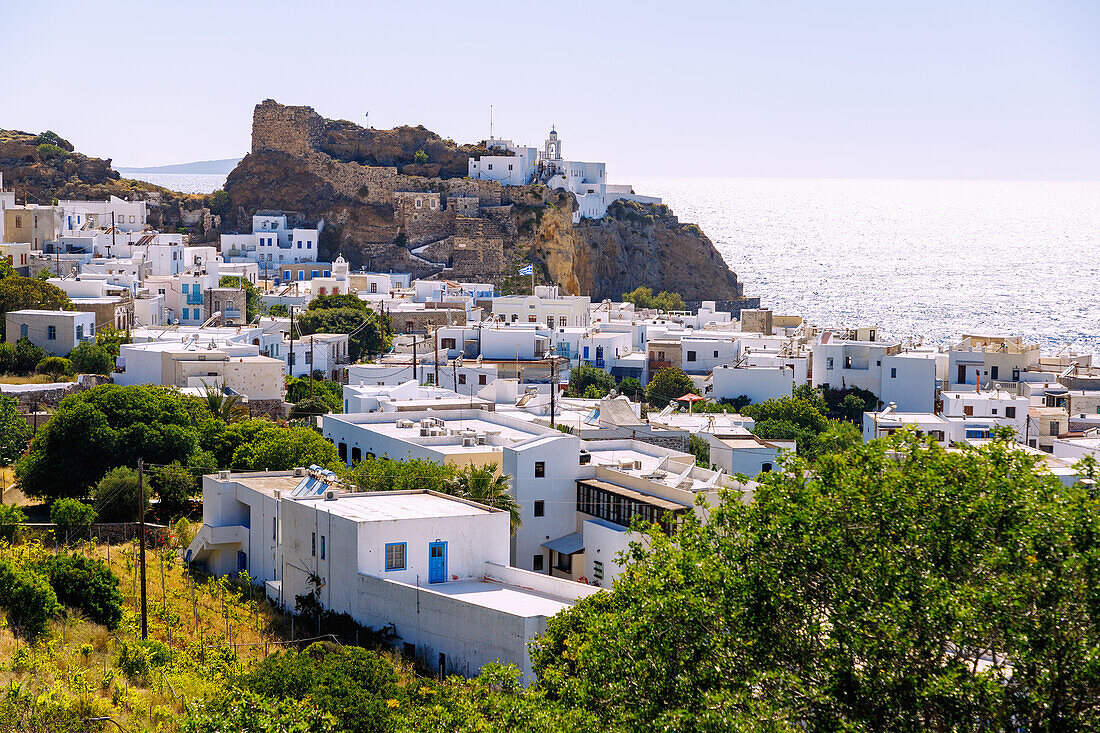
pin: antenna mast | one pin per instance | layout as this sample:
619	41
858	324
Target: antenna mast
490	122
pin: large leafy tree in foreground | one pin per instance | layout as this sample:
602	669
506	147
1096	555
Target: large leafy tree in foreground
892	587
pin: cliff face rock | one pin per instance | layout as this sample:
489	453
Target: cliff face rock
378	203
44	167
636	244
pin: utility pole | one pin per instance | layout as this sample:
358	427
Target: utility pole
141	542
454	367
435	355
414	359
290	358
553	387
311	365
113	231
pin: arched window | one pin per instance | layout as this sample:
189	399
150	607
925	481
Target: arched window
766	468
356	454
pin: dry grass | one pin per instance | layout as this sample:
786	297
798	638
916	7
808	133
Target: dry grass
212	625
32	379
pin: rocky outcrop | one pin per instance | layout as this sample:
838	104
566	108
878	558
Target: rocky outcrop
365	185
41	168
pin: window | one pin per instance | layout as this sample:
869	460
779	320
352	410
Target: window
79	333
322	547
274	528
847	362
395	556
715	354
462	379
893	372
1054	427
490	166
968	410
562	321
195	313
994	372
299	245
536	563
540	508
447	343
23	330
765	468
51	332
1010	411
691	356
829	363
481	379
509	166
313	545
550	321
564	563
540	469
374	287
313	273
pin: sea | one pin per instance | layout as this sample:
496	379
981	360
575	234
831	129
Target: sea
922	259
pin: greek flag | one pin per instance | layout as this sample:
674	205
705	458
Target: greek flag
529	270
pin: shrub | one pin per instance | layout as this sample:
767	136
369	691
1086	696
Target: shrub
584	376
89	358
86	584
47	151
49	137
137	659
11	516
54	366
27	356
72	517
116	495
14	431
27	598
174	486
420	157
246	712
309	407
219	203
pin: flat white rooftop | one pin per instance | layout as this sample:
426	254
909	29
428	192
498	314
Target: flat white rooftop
388	506
516	601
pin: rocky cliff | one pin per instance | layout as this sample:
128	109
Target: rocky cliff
41	168
358	181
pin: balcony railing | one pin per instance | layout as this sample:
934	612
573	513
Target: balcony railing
194	299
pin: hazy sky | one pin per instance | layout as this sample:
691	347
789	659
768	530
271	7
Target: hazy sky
829	88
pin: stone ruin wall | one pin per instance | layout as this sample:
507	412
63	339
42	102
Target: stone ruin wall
294	130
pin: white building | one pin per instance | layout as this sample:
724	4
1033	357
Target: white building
126	216
431	567
906	378
319	352
517	169
271	243
1003	407
745	453
758	383
55	332
546	305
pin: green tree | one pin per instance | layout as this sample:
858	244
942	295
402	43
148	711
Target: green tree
643	297
802	418
670	383
49	137
414	474
584	376
631	388
279	311
225	407
329	392
895	586
351	684
174	485
27	356
104	427
280	449
86	584
27	598
11	516
116	495
366	329
328	302
54	367
420	157
14	431
19	293
89	358
485	485
72	517
309	407
112	340
219	203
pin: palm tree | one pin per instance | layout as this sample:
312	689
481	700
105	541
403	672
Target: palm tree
484	485
225	407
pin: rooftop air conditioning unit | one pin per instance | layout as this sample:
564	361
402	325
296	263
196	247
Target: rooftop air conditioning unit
223	475
482	440
468	441
425	431
330	494
626	464
404	423
299	472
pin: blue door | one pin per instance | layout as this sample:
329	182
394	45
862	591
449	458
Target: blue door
437	562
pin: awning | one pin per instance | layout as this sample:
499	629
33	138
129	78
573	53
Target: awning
570	544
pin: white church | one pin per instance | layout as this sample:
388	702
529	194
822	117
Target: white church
587	181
